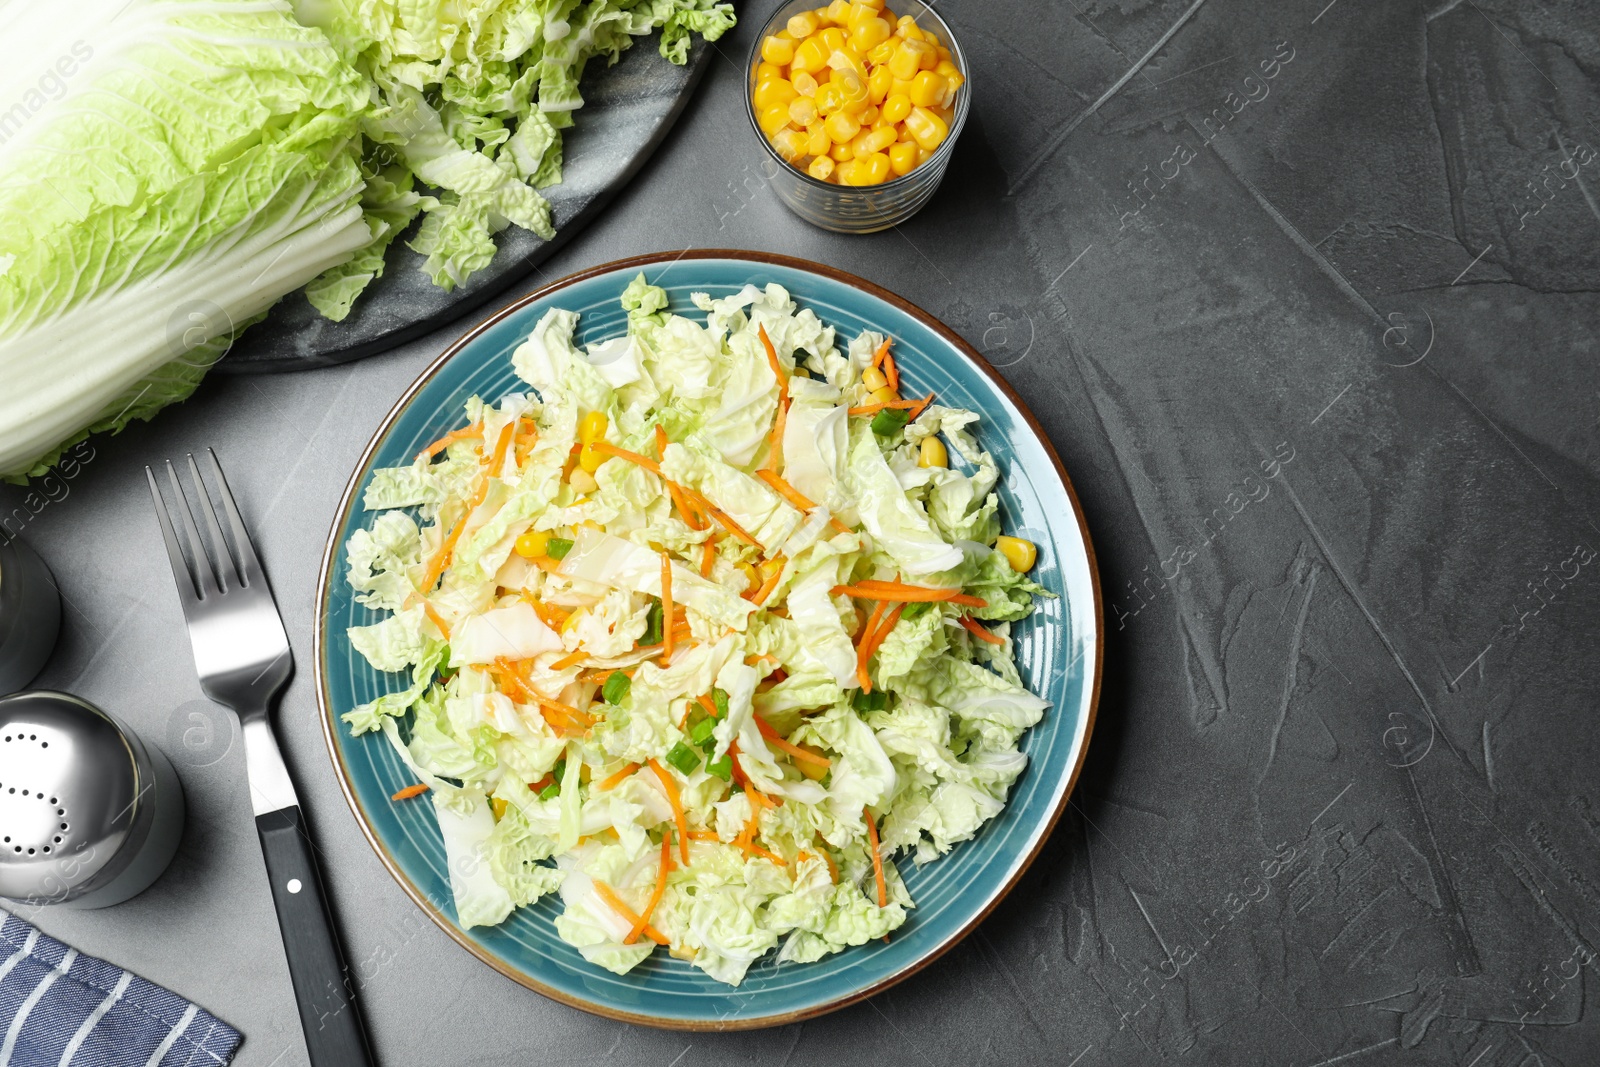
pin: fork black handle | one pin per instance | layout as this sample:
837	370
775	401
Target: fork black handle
323	985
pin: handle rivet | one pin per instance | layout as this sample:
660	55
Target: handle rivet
294	885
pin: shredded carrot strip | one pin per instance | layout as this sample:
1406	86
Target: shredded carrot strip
632	457
655	894
877	859
756	850
690	516
833	868
770	584
883	350
671	789
709	704
772	359
722	520
779	741
546	564
661	442
869	409
980	632
891	372
570	659
869	645
864	647
708	557
475	430
795	497
666	608
438	620
758	799
616	904
738	772
442	558
899	591
775	439
411	791
612	781
922	405
551	615
785	490
567	711
703	835
753	659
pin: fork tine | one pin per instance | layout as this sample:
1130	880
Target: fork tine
202	562
180	567
249	564
226	571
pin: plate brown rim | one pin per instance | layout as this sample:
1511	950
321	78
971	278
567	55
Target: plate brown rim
331	547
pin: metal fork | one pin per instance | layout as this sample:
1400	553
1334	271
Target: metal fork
242	656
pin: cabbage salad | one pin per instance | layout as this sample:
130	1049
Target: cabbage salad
701	633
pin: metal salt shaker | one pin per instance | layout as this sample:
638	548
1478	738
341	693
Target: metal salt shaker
30	614
89	815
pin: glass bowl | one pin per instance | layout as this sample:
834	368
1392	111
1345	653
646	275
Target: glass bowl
862	208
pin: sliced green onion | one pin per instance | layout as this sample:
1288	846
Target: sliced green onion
683	757
558	547
722	768
700	732
616	688
884	423
876	700
720	699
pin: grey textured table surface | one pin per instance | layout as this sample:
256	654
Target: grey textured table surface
1340	806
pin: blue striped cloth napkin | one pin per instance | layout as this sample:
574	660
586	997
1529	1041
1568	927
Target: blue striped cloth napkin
59	1008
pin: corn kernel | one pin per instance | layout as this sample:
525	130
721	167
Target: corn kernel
900	87
766	71
875	165
833	39
772	119
923	155
803	25
932	453
572	620
906	29
810	768
932	38
842	127
928	129
791	145
1019	552
871	5
777	50
582	481
803	111
779	91
804	84
882	52
817	140
873	378
829	98
879	82
821	168
903	158
944	53
869	117
927	89
869	34
839	12
532	544
945	68
859	13
810	56
498	804
592	427
883	396
841	153
869	141
896	108
590	458
848	170
907	59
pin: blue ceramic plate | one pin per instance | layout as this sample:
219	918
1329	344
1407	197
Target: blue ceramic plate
1059	650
